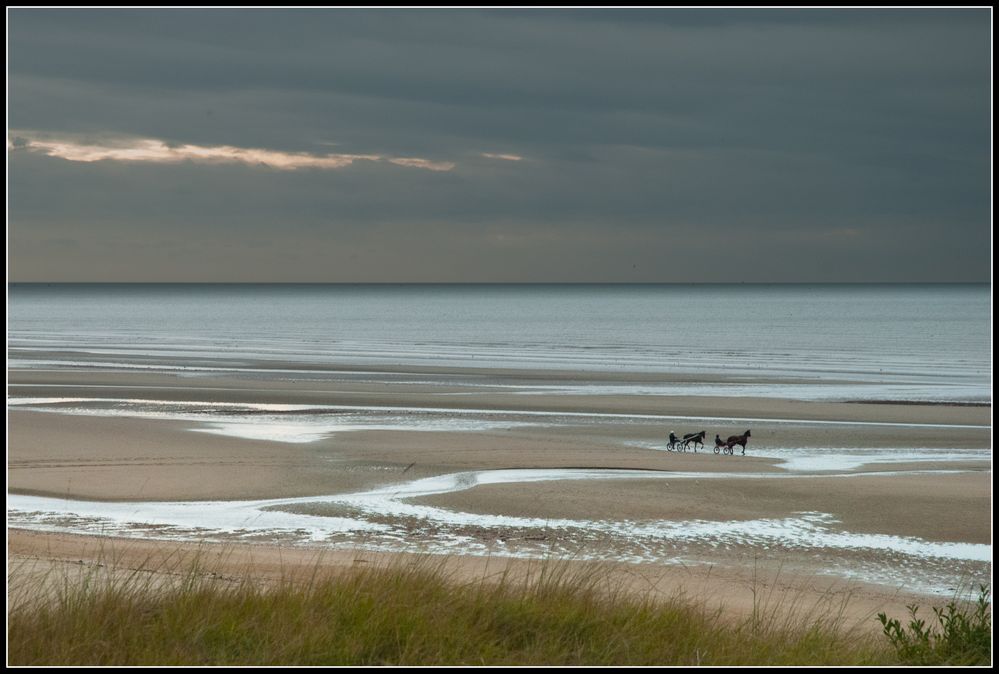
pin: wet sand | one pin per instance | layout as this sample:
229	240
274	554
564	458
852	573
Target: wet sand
921	506
130	459
469	389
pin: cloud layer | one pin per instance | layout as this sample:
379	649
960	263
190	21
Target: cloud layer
654	145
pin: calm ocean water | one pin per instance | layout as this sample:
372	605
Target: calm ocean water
919	342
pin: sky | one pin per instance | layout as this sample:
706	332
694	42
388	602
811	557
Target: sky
447	146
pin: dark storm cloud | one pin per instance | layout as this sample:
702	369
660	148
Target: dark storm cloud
656	145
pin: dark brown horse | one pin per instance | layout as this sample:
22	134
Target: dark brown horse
696	438
734	440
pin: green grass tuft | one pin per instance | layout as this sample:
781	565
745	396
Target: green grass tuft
410	614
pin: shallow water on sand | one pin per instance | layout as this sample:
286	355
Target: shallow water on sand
385	519
308	423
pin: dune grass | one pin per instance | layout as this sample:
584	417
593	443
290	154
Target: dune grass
413	613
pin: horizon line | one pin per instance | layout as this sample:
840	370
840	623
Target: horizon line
498	283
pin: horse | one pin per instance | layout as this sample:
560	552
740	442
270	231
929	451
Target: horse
734	440
696	438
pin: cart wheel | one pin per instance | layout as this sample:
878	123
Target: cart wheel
717	449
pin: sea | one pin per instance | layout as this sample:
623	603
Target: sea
928	343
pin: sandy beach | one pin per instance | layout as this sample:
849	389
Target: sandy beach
104	457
